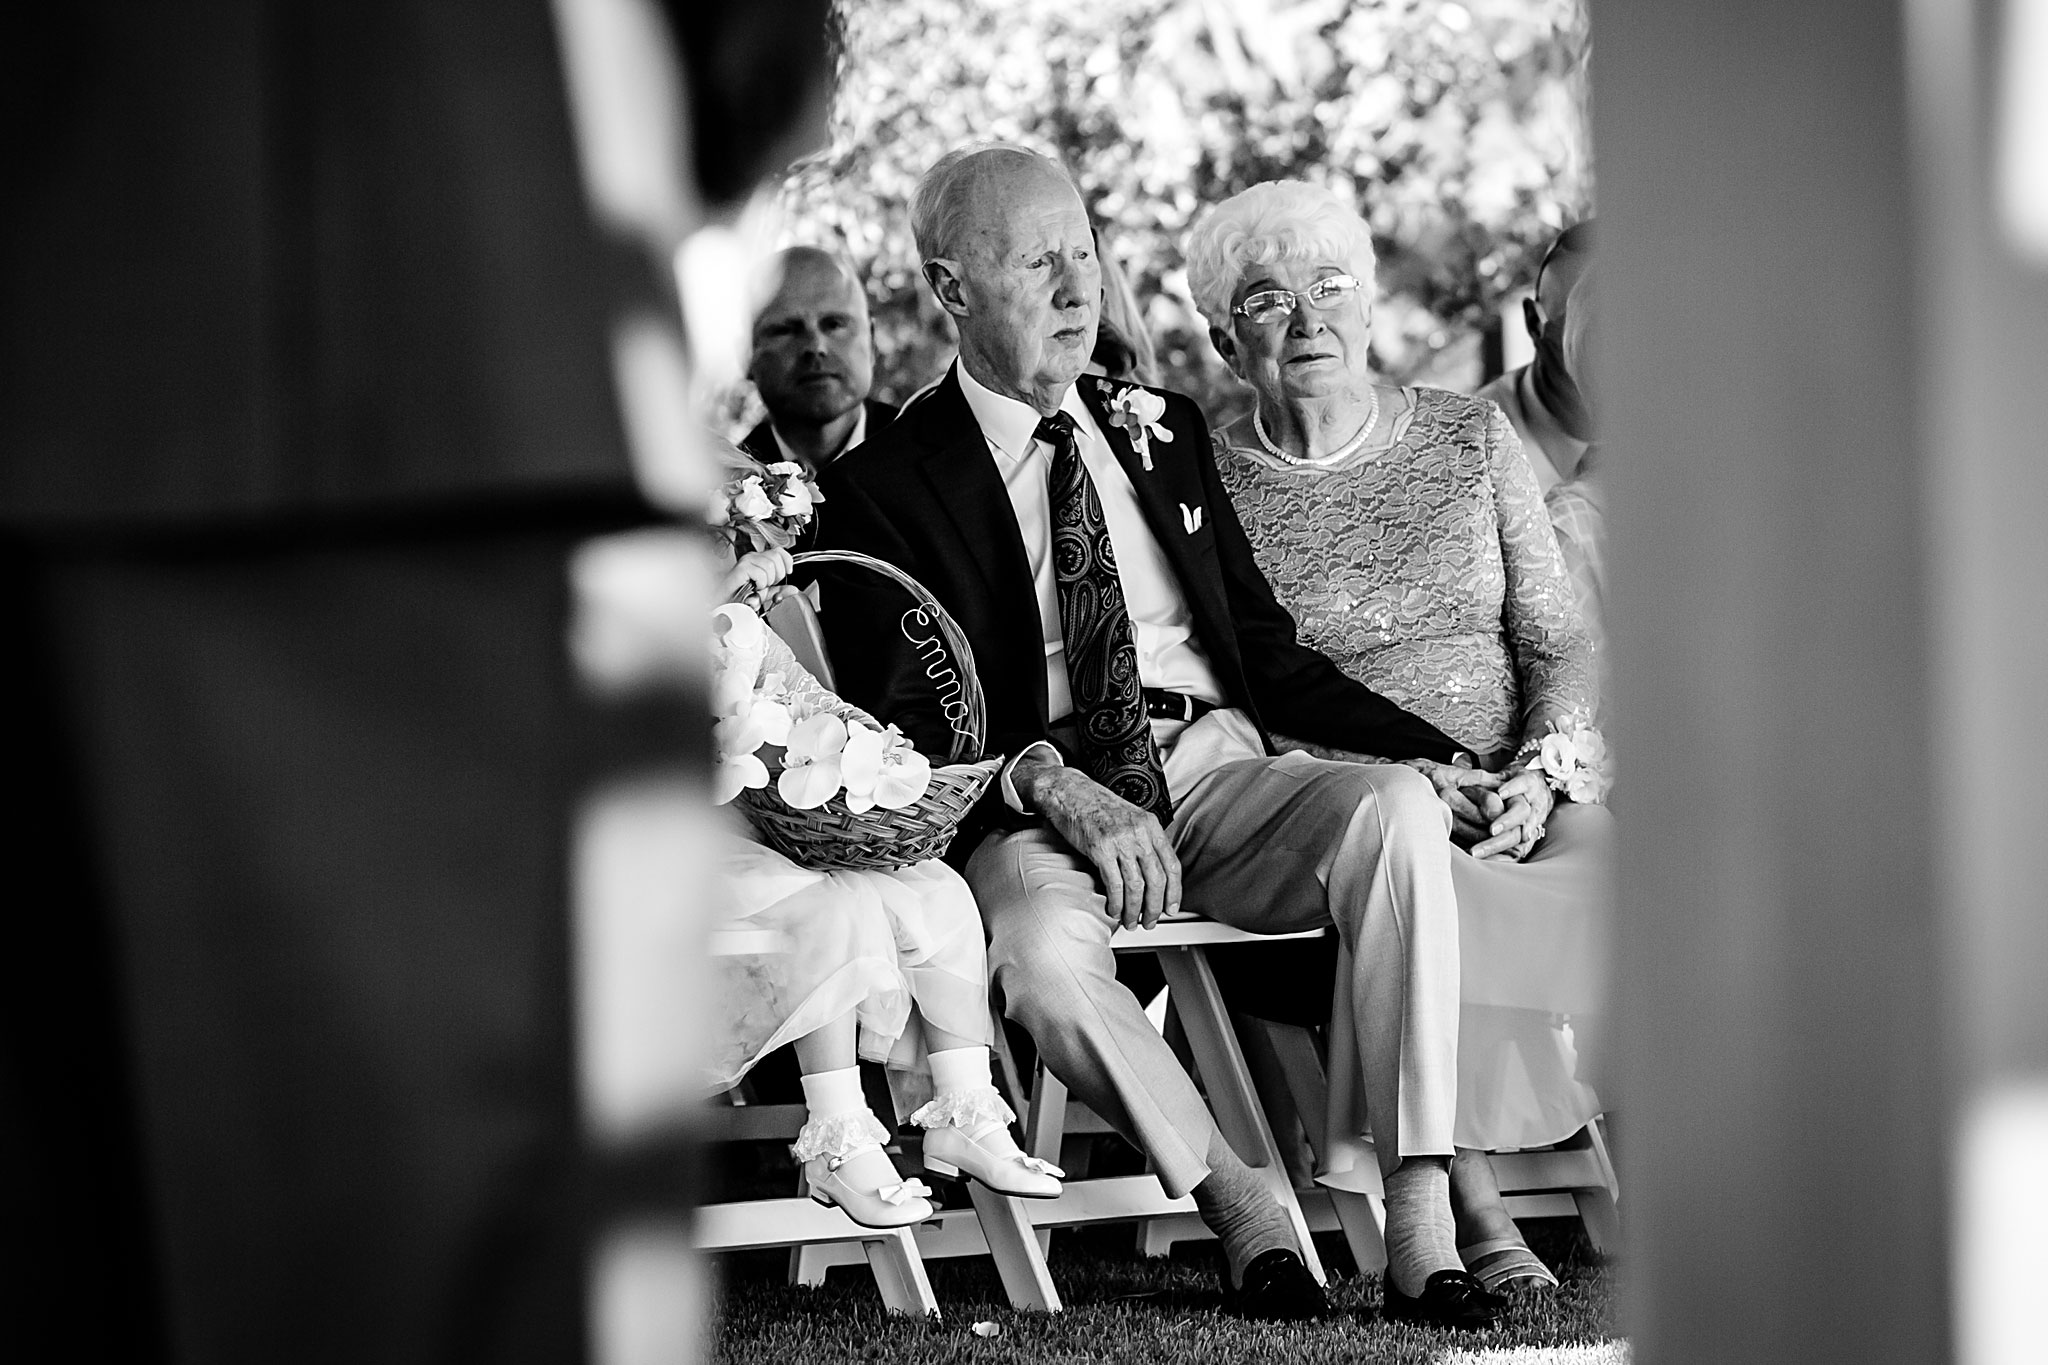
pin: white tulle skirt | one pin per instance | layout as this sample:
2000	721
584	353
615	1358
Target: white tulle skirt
797	949
1534	940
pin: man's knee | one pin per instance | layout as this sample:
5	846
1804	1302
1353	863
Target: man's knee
1405	801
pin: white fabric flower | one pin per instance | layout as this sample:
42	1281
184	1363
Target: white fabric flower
860	766
811	771
1556	755
752	499
731	776
797	497
906	776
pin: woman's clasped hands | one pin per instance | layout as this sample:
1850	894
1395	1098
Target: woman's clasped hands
1493	815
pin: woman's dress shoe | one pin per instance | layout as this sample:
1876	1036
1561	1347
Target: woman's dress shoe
1449	1298
1505	1261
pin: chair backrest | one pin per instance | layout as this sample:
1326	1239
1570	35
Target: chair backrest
795	620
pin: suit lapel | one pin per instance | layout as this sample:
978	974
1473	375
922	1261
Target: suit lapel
1168	493
962	476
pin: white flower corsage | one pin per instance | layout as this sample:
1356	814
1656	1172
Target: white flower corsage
765	510
1573	759
1138	412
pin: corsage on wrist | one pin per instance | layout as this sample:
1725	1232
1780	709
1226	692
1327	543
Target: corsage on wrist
1573	759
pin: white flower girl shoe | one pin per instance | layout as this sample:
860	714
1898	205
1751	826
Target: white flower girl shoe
844	1164
967	1132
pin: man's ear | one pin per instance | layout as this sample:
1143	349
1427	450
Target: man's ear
947	287
1532	318
1226	346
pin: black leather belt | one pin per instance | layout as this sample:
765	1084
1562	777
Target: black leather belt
1163	705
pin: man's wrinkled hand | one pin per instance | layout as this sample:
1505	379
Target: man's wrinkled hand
1137	867
1465	791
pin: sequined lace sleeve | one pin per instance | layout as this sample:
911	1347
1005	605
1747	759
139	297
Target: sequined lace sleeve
1539	613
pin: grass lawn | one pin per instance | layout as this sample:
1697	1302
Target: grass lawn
1120	1307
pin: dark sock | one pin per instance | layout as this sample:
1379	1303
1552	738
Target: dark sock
1240	1211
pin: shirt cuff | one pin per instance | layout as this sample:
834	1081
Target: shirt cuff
1010	797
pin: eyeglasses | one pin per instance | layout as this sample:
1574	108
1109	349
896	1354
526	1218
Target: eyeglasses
1270	305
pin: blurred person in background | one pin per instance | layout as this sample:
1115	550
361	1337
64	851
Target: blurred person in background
1578	505
1123	344
1402	529
813	362
1543	399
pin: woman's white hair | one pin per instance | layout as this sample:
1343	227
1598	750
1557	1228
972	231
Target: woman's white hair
1279	220
938	209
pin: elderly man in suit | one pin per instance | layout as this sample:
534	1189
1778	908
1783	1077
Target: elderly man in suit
1133	657
813	361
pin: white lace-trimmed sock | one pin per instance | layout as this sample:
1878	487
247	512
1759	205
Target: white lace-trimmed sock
828	1094
1422	1237
963	1072
836	1095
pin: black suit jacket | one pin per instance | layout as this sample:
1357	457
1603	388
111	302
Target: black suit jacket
926	496
760	442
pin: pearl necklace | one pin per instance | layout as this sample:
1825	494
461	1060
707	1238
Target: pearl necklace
1372	417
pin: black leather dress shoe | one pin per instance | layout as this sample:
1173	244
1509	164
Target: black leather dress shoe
1449	1298
1277	1287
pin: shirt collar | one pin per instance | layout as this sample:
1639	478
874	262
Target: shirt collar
1009	424
853	438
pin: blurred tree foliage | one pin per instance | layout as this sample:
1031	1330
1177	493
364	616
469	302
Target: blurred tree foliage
1458	128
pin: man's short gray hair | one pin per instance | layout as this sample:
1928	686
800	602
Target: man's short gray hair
1279	220
938	211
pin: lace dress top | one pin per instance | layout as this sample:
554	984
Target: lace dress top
1427	570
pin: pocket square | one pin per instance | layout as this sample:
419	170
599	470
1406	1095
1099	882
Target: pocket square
1191	517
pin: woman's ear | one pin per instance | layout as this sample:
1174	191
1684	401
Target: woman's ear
947	286
1226	346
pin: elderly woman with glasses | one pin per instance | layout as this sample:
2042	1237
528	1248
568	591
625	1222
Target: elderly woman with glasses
1404	530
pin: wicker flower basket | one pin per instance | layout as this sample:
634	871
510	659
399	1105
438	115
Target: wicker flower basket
831	836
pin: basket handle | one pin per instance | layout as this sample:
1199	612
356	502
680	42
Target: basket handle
932	632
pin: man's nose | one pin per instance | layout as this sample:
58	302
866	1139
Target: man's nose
1076	284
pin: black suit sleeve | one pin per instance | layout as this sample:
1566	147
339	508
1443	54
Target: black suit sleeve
1296	689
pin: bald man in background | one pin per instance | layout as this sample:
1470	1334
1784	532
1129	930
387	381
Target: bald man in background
813	362
1543	399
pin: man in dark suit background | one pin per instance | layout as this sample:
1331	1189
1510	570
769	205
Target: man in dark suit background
813	362
1133	657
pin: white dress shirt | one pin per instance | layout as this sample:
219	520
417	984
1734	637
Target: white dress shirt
1162	628
853	438
1161	625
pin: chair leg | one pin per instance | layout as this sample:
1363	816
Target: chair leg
1199	1003
899	1273
1362	1215
1020	1261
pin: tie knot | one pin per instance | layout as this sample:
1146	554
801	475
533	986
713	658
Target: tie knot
1056	430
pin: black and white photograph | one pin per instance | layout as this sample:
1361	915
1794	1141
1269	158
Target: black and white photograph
925	681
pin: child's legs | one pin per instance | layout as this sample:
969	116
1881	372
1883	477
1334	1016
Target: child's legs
829	1048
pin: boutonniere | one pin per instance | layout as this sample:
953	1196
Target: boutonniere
1138	412
1191	517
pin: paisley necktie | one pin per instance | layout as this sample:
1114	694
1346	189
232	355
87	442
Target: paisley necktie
1102	657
